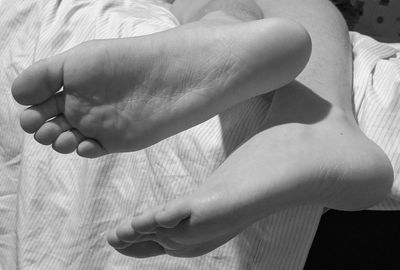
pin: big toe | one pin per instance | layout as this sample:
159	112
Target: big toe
142	250
39	81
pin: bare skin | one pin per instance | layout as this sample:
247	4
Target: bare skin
240	193
310	151
115	99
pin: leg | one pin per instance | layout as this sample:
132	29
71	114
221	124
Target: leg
115	99
310	151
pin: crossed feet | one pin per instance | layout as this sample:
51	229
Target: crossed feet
124	95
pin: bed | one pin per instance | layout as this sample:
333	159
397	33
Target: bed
55	209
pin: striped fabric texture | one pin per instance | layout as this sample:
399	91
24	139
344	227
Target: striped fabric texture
55	209
376	86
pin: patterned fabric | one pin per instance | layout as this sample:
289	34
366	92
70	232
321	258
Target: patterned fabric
377	18
351	10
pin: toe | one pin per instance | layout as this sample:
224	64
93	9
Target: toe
68	141
145	223
143	250
90	149
126	233
114	240
34	117
39	82
173	213
50	130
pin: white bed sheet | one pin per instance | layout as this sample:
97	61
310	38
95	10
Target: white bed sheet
56	208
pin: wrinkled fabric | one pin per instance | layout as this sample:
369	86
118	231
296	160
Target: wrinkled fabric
55	209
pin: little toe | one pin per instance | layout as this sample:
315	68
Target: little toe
39	82
34	117
68	141
173	213
89	148
50	130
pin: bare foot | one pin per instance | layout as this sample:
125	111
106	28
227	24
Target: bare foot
299	165
126	94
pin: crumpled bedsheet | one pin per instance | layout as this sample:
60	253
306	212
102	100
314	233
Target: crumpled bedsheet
55	209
